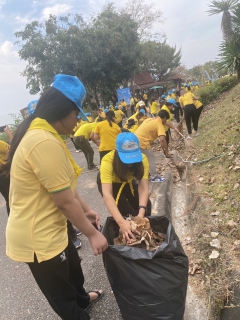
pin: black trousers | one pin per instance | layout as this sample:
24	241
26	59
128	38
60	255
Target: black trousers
127	203
132	109
61	281
76	147
189	111
177	110
4	189
120	124
167	136
103	153
196	118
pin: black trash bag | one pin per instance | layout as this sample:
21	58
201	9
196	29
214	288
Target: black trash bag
147	285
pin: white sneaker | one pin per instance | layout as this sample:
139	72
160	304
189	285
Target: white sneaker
197	134
77	151
189	138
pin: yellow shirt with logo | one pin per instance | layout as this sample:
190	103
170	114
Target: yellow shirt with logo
118	115
107	135
40	167
4	148
86	130
149	131
107	174
154	107
170	116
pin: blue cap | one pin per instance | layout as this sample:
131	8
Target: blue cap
142	111
32	106
173	90
116	107
169	92
172	101
87	114
127	145
163	96
105	110
72	88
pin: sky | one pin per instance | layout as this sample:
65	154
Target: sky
187	25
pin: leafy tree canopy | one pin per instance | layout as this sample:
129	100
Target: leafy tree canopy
159	58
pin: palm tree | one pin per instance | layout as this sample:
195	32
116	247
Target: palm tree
225	7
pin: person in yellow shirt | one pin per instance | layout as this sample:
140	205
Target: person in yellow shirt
81	139
169	106
145	99
147	133
106	131
154	107
131	126
199	108
101	115
123	105
138	118
173	95
169	96
119	115
5	180
43	196
132	105
117	184
186	101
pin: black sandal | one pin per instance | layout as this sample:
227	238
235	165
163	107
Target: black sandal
100	295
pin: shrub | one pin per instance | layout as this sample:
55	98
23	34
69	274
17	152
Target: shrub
211	92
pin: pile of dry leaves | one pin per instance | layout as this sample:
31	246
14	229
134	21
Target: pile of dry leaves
147	239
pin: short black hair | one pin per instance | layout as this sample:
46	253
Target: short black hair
163	114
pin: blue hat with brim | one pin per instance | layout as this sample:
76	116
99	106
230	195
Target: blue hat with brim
127	146
142	111
163	96
172	101
116	107
72	88
32	106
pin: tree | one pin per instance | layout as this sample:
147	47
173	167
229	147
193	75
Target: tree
159	58
145	16
224	7
97	51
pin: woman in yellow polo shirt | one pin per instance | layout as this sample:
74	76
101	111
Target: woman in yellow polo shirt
119	115
119	171
199	108
107	132
186	101
154	107
43	196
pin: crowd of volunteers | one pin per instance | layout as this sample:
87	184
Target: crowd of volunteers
39	177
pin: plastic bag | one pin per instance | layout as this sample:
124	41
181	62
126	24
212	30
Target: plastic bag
147	285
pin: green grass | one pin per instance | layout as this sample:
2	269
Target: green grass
219	135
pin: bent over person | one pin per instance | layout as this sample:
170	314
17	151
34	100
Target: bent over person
147	133
43	196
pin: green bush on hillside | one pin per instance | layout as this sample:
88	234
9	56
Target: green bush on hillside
211	92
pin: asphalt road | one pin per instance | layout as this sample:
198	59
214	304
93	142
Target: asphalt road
20	297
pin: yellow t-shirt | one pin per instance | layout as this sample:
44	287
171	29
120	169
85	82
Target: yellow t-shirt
154	107
170	116
173	96
197	103
149	131
107	135
118	115
40	167
90	119
86	130
4	148
187	98
133	128
131	101
108	175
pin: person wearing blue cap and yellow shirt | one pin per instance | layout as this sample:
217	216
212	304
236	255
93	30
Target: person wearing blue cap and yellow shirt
138	118
43	196
169	96
123	182
119	115
169	105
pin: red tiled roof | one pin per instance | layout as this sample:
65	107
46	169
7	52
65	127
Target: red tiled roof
144	78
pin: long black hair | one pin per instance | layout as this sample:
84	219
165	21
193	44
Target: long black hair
122	170
52	106
110	115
